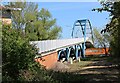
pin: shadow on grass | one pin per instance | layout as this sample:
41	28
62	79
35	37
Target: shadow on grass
66	77
104	72
94	58
100	74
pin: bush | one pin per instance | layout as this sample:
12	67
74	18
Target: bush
18	58
17	53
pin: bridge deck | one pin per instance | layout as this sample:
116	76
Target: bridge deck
49	45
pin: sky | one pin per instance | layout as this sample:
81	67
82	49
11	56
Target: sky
67	13
50	0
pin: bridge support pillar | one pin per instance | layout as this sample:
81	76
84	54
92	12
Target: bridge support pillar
83	50
71	61
76	51
59	54
68	53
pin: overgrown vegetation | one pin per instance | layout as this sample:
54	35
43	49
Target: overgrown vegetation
18	58
18	55
101	40
113	28
28	24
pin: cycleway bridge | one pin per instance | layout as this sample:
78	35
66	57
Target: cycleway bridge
81	33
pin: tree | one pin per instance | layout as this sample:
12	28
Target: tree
37	25
17	54
45	27
26	15
18	62
101	40
113	28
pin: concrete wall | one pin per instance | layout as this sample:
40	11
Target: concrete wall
48	60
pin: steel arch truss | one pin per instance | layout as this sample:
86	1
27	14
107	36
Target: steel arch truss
67	53
84	27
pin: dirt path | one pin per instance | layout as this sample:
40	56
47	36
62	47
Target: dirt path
98	69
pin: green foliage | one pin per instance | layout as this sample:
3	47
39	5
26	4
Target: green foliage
16	52
44	28
18	62
113	28
101	40
37	25
24	16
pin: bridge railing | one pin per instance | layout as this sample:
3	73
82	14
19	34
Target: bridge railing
49	45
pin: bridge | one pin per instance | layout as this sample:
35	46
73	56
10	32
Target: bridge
51	51
55	45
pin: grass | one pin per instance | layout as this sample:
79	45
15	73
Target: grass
93	58
74	73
